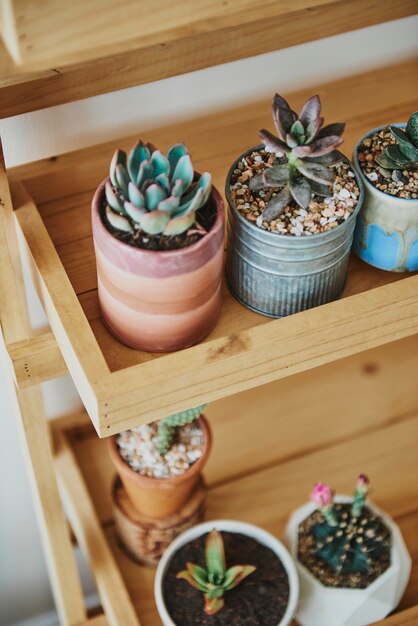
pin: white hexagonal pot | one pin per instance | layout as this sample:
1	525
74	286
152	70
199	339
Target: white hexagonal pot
329	606
231	526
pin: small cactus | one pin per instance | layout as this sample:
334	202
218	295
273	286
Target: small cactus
153	193
403	154
215	580
307	148
346	540
167	426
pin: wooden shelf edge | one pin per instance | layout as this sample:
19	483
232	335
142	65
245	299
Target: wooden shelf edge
36	360
405	618
167	55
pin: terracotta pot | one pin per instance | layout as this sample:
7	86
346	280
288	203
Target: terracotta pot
160	497
159	301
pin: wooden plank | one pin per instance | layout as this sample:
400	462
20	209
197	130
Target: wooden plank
233	30
266	497
304	413
36	359
406	618
115	601
33	428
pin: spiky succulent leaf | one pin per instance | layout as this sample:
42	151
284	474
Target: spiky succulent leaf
119	157
135	195
154	195
385	161
283	116
276	176
170	204
160	164
309	117
319	189
299	188
144	173
140	152
187	576
198	573
179	225
317	172
256	182
331	130
154	222
184	172
164	182
215	557
298	132
412	128
174	155
236	574
277	205
319	147
273	143
134	212
213	605
122	179
331	158
405	144
113	199
118	221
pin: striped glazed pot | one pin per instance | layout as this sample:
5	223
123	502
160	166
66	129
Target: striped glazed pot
278	275
159	301
386	234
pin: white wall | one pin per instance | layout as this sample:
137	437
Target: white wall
24	588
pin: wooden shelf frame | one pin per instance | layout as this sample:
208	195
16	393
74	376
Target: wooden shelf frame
225	32
121	387
248	477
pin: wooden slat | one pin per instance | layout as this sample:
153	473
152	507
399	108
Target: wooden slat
230	31
267	497
36	359
33	428
406	618
86	527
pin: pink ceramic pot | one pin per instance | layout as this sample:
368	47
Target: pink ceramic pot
159	301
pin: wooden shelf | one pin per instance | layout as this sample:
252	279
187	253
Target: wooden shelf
121	387
131	48
255	481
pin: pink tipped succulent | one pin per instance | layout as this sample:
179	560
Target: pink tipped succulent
323	496
308	147
215	579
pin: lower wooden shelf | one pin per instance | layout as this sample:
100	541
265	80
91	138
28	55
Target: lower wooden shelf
341	424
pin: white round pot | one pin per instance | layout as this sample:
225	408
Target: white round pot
263	537
330	606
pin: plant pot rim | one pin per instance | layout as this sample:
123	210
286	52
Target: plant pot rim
166	254
167	482
233	526
273	237
368	183
305	510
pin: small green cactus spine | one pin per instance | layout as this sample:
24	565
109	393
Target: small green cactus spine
168	425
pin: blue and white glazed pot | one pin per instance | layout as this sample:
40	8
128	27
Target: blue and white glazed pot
386	234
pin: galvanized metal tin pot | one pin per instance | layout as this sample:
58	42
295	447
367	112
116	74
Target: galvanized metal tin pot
278	275
386	234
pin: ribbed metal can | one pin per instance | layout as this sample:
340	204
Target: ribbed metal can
278	275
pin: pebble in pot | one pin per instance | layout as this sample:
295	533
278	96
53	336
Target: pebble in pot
226	573
292	208
386	234
158	231
352	561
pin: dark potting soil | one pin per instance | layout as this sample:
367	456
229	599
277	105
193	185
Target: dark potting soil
205	217
259	600
379	560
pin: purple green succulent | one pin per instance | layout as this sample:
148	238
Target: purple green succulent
403	154
154	193
216	579
305	149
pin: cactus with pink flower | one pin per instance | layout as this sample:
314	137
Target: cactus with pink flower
346	539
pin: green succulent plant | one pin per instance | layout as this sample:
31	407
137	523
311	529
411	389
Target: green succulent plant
167	426
216	579
154	193
403	154
347	540
307	149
